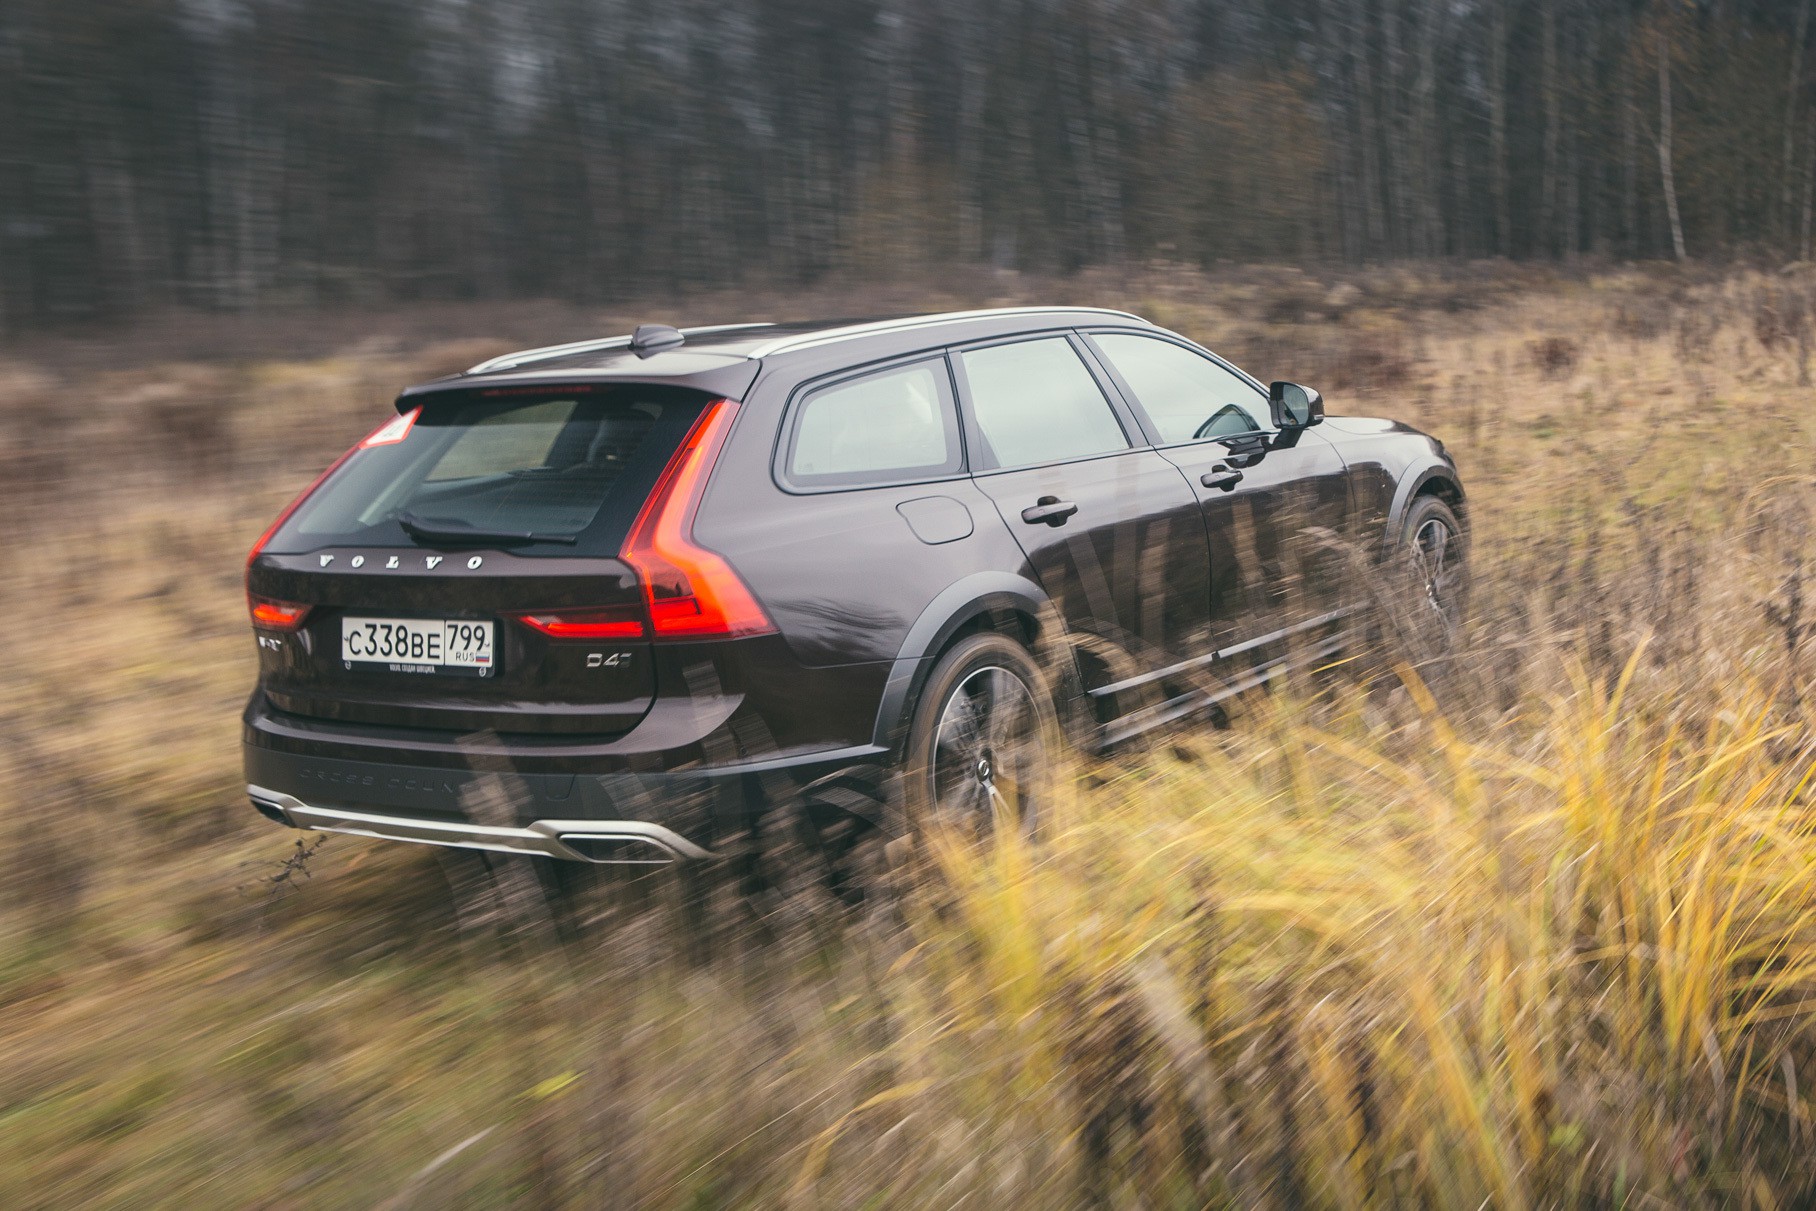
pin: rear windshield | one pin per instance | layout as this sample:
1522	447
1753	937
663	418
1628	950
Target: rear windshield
569	467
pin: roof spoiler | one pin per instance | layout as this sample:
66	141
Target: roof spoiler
715	374
522	356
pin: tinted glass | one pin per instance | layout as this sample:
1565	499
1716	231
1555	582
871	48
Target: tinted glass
552	464
885	428
1186	395
1035	402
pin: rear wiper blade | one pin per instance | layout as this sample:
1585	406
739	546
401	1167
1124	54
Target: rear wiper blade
449	531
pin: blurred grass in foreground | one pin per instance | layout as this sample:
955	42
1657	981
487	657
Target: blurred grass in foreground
1548	937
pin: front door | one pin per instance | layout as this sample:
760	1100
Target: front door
1110	528
1274	504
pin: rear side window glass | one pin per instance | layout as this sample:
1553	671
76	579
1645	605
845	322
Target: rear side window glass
1186	395
1035	402
569	468
890	427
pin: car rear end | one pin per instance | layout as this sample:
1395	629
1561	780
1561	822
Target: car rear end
489	625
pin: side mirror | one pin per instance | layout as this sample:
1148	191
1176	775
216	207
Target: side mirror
1293	406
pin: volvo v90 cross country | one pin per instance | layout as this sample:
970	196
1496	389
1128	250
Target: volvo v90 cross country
616	601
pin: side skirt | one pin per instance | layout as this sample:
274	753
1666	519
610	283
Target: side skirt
1239	681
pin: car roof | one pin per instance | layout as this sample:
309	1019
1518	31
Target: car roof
725	359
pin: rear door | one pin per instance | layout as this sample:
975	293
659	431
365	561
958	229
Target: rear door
461	567
1110	528
1273	505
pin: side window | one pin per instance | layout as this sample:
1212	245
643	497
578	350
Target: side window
893	426
1035	402
1186	395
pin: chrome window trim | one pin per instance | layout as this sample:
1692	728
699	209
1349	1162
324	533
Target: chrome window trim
788	344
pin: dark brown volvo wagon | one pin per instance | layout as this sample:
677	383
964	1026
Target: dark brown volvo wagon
615	601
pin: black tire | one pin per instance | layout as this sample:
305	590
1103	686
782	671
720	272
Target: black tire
1434	563
983	740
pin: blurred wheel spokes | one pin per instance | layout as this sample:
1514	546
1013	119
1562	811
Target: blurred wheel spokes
984	746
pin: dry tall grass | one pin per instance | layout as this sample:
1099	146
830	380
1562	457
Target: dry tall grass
1549	939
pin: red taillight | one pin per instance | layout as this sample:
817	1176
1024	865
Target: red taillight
276	615
614	622
691	592
387	434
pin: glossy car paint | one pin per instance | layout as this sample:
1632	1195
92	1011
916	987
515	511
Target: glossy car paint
865	586
1128	572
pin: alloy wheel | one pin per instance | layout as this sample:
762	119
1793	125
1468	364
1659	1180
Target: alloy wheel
1436	565
986	751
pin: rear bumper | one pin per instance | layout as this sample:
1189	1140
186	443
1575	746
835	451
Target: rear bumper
618	816
622	842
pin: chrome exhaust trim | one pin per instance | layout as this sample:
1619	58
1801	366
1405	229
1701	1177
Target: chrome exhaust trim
601	842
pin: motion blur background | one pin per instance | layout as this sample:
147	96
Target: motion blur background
249	154
1546	938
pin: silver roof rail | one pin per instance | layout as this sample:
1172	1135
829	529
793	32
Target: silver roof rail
787	343
508	360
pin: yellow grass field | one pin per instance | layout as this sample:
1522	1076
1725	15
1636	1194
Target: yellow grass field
1546	938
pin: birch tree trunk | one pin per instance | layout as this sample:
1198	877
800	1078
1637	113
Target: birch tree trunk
1367	118
1809	196
1497	128
1548	88
1790	108
1401	175
1431	217
1629	145
973	40
1666	173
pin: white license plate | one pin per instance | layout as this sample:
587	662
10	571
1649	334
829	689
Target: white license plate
418	645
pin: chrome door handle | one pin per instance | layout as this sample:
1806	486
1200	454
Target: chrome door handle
1220	476
1049	509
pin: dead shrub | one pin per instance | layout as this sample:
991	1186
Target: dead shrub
1466	293
1771	323
1783	320
1261	348
1342	299
1696	331
1449	290
187	418
31	471
47	863
1554	356
1291	299
34	458
1369	363
1636	323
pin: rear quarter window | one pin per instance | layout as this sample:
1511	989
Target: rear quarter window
892	426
